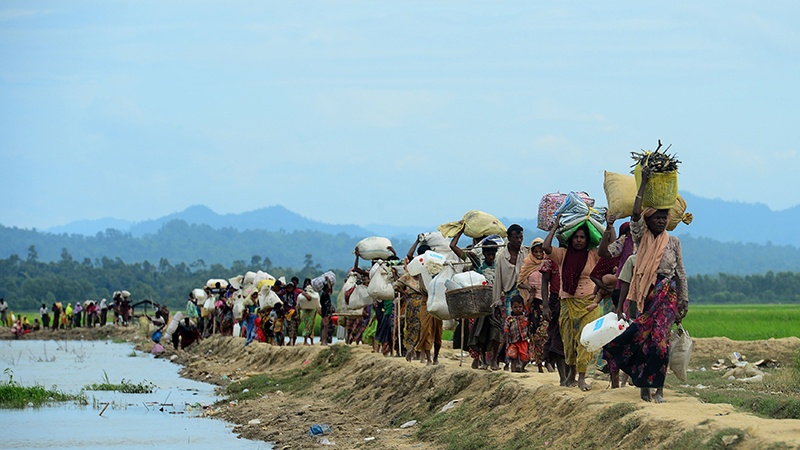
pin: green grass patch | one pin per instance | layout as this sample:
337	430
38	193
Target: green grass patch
616	412
743	322
298	380
725	439
124	386
778	397
15	396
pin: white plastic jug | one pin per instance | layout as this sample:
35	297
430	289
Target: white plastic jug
600	332
416	265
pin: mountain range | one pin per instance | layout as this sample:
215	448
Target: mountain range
716	219
725	237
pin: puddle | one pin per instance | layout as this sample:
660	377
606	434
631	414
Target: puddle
166	419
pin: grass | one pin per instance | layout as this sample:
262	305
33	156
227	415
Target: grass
778	397
126	387
743	322
303	379
13	395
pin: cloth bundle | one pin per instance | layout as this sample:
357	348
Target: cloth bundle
551	203
574	213
374	247
475	224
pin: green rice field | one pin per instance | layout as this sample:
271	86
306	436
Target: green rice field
743	322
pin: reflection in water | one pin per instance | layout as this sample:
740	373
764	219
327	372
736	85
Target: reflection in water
168	418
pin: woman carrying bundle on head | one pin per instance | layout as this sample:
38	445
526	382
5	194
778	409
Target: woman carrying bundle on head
659	289
575	263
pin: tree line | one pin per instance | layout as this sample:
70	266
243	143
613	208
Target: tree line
28	282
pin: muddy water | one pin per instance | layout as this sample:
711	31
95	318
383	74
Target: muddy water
169	418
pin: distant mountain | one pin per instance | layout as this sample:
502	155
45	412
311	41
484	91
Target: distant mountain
92	227
273	218
720	220
203	246
740	222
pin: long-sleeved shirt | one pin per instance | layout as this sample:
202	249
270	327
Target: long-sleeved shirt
671	265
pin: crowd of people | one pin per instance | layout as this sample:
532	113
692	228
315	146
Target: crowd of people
228	309
543	296
86	314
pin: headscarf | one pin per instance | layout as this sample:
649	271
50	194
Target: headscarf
649	254
530	265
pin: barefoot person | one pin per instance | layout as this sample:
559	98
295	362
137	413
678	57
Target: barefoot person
509	263
530	288
575	262
659	289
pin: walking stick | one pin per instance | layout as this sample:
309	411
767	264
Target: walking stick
461	362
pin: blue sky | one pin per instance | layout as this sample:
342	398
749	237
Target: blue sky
379	112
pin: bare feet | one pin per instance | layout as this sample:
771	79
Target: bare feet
549	367
584	385
659	396
645	394
495	366
476	363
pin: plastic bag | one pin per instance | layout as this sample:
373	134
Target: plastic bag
437	300
318	283
475	224
380	282
212	283
308	299
267	298
467	279
574	212
680	352
360	297
374	248
199	294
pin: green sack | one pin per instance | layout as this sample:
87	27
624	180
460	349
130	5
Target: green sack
595	235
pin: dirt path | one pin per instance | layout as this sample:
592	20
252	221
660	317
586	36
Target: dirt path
369	396
364	398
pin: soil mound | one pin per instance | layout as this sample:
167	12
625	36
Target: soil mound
278	393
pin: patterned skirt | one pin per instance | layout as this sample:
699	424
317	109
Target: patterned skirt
642	351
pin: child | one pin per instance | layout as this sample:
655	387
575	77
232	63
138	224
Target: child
602	290
276	316
516	331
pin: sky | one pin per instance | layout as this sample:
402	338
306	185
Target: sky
386	112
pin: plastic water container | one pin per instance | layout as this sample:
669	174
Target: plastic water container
416	265
468	279
600	332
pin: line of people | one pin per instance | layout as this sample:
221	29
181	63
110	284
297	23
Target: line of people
544	295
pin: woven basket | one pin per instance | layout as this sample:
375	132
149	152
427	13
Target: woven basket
469	302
